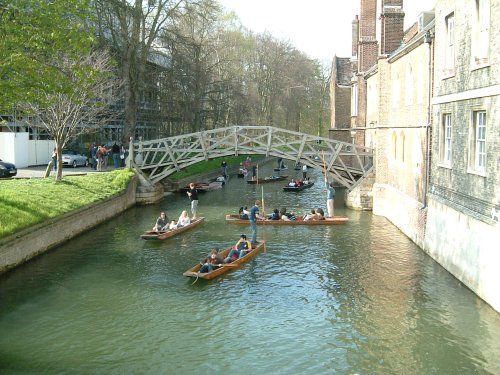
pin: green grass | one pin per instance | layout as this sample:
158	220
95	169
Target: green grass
27	202
210	165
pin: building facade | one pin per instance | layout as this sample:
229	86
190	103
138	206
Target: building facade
429	106
463	230
398	126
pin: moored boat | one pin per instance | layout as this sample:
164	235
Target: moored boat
267	179
298	188
256	249
235	219
204	186
164	234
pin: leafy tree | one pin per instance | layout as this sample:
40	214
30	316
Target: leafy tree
34	35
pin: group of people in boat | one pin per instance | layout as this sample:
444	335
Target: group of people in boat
298	182
214	259
163	223
315	214
282	215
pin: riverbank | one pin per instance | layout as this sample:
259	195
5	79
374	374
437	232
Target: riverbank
28	243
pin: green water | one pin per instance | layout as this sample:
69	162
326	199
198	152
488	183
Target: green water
359	298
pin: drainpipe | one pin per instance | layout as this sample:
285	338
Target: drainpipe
428	37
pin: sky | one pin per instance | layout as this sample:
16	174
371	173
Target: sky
320	28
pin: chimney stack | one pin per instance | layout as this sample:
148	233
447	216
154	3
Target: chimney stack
391	25
355	36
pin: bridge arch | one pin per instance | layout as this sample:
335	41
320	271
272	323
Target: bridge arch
343	162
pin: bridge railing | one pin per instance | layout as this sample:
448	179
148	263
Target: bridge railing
343	162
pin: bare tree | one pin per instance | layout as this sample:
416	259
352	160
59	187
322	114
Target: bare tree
81	110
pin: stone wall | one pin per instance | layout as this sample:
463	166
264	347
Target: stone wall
361	198
24	245
466	247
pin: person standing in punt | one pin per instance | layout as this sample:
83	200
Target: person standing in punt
193	196
254	215
329	198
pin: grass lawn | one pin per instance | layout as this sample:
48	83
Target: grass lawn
211	165
27	202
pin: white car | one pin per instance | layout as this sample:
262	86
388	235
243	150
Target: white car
74	160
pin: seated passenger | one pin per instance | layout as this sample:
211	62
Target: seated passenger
292	183
287	216
311	215
320	213
172	225
242	214
183	220
161	222
239	250
275	215
209	263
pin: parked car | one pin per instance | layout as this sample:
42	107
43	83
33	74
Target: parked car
7	169
74	160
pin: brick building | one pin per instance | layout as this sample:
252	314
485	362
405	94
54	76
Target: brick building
463	230
340	99
429	105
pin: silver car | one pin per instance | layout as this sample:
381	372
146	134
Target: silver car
74	160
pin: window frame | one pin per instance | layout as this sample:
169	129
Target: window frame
478	152
446	141
480	36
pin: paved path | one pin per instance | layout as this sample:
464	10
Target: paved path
39	171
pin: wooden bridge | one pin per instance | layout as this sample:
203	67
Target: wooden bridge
343	162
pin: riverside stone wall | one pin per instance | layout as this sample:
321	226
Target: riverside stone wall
26	244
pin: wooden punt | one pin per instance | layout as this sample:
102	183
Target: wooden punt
256	249
267	179
163	235
235	219
280	169
298	188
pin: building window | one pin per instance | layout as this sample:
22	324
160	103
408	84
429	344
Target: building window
478	142
446	139
354	100
402	147
450	45
481	32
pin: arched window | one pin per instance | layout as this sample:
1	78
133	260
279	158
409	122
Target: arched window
402	147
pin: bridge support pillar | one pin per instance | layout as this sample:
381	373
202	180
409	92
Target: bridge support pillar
361	197
149	194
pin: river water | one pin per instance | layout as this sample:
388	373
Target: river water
359	298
